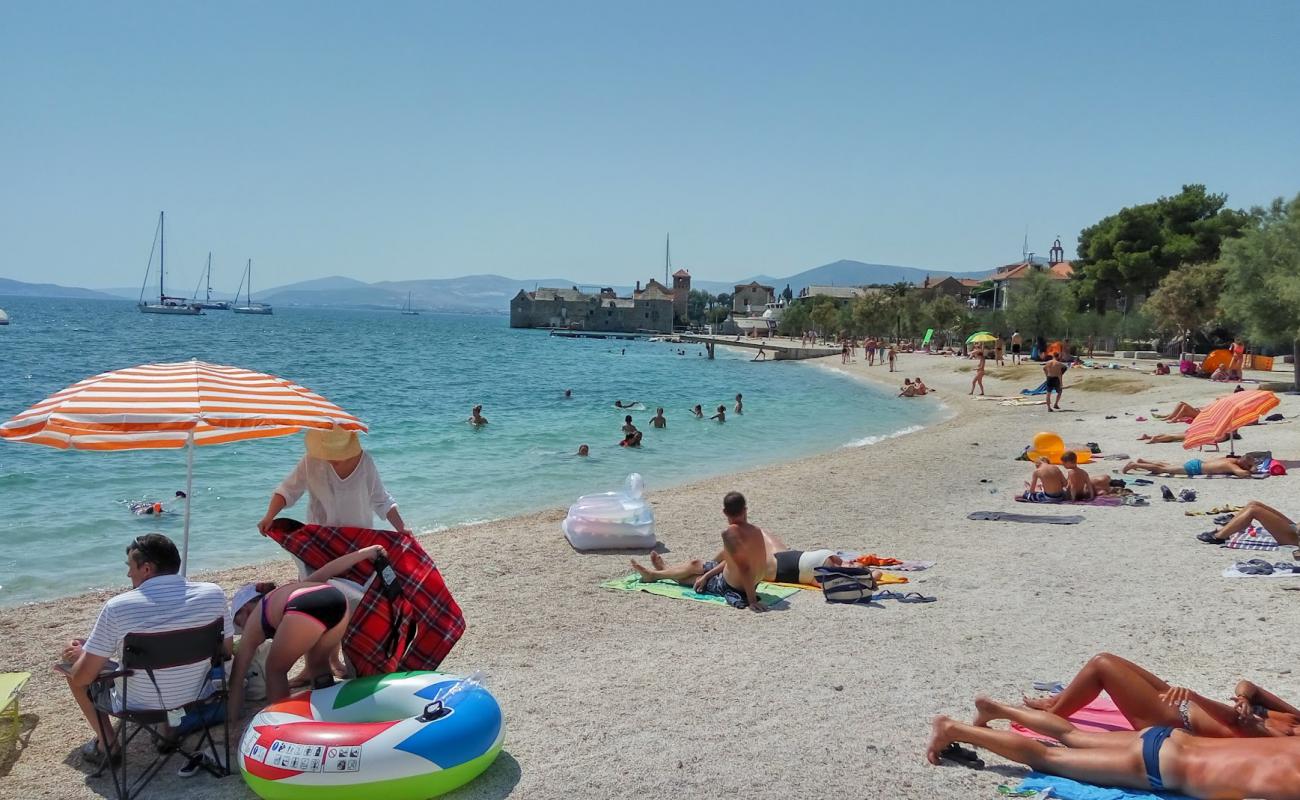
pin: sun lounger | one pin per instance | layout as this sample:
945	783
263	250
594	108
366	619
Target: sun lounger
11	683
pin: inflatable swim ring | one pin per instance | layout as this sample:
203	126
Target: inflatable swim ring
1052	447
405	736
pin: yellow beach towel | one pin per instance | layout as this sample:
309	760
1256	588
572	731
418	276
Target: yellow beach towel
886	578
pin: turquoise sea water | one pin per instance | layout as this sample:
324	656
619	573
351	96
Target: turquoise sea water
412	379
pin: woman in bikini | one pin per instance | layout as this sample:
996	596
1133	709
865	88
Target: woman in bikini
1183	412
1147	701
304	618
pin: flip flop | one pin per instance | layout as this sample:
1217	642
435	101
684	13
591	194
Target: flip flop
1167	494
916	597
1187	496
1209	537
961	755
1048	686
1143	482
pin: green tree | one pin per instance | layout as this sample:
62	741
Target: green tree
1187	300
825	315
899	293
1132	250
795	321
1262	278
873	314
697	302
1037	303
944	314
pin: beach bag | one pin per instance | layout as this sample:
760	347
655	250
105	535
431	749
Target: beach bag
845	584
255	678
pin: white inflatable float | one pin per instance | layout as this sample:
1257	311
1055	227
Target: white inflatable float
619	520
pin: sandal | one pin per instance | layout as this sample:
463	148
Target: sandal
1187	496
1167	493
1209	537
961	755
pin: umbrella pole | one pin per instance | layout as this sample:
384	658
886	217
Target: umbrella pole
189	493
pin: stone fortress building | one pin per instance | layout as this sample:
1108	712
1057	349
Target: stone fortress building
655	308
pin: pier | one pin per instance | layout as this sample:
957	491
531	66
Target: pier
776	350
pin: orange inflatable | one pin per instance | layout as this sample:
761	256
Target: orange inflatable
1050	446
1216	359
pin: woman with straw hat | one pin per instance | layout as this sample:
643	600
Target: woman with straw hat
342	482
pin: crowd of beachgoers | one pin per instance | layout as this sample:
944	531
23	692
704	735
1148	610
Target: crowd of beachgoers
937	581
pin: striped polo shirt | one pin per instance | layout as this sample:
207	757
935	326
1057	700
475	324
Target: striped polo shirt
162	603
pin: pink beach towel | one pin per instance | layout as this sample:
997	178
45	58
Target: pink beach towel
1099	716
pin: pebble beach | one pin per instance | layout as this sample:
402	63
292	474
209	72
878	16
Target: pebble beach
611	694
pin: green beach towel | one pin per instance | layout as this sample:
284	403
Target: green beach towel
768	594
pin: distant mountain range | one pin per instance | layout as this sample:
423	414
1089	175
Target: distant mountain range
21	289
492	293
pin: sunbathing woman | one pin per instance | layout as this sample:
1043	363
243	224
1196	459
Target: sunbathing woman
1272	520
305	618
1157	758
1181	413
1235	466
1146	700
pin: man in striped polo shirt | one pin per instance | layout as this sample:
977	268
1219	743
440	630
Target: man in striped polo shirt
160	600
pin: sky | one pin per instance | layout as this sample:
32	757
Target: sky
564	140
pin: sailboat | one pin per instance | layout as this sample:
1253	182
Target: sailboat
249	307
207	301
407	308
165	304
4	318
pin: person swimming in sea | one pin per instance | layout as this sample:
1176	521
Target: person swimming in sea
583	450
143	508
659	420
568	394
740	407
476	417
698	411
626	404
628	425
721	416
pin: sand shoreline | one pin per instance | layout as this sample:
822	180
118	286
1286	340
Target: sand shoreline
611	694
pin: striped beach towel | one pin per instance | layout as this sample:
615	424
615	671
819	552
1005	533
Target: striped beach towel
1253	538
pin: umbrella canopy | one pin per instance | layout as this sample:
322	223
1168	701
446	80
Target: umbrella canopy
1227	414
981	336
184	404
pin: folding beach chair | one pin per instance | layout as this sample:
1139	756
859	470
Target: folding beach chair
142	654
11	683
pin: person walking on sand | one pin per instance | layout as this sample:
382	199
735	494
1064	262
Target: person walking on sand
1016	343
871	352
659	420
893	356
978	380
1054	369
999	352
1046	484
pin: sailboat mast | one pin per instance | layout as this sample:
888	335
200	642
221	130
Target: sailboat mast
668	257
209	297
250	281
162	253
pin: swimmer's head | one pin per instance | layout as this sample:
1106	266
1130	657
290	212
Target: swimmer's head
180	494
722	408
738	395
583	450
659	411
568	393
628	418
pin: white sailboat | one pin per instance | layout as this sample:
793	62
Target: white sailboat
207	301
165	304
407	309
4	318
249	307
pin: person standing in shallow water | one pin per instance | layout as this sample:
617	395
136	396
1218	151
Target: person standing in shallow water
659	420
740	407
721	416
698	411
476	417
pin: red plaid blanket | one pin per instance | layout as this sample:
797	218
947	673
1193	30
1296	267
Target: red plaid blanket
412	631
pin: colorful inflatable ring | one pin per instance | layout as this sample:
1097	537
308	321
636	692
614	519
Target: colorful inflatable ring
404	736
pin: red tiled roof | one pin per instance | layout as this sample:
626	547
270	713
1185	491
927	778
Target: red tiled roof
969	282
681	273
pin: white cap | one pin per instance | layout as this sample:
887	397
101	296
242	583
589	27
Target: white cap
243	595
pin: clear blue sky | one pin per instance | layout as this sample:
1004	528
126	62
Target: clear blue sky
392	141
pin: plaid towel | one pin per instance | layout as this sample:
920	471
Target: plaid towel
412	630
1253	538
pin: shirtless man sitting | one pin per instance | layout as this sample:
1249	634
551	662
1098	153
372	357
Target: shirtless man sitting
1156	758
1234	466
748	555
1047	484
1078	486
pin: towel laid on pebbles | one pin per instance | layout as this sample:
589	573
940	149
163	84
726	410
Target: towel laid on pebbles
768	594
1067	789
1006	516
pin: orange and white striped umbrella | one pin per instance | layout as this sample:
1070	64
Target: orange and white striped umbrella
1226	415
163	405
185	404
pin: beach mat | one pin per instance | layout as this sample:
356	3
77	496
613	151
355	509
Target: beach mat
1231	572
1103	500
1067	789
768	594
1007	516
886	579
1099	716
1253	538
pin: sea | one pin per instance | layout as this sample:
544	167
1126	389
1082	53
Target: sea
65	518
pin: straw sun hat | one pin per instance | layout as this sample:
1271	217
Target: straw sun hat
333	445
